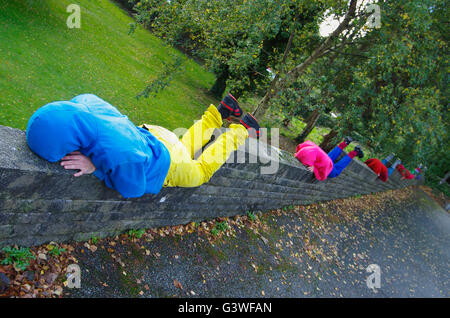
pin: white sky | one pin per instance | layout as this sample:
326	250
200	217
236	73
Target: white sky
332	22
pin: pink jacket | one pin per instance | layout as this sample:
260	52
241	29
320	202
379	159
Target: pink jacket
312	155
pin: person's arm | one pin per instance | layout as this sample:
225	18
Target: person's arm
99	174
129	179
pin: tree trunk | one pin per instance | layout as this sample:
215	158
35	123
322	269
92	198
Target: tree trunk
220	84
264	104
326	144
310	124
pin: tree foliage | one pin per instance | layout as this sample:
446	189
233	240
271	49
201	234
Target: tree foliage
391	86
237	39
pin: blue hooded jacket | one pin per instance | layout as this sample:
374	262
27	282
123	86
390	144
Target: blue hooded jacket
128	158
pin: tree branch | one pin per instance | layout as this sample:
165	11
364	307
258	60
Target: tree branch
296	71
349	54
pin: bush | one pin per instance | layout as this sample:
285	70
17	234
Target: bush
19	257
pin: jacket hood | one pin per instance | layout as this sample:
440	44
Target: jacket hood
59	128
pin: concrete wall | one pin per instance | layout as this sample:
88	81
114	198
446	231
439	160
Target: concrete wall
42	202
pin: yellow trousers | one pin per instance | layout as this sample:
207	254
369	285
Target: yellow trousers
184	171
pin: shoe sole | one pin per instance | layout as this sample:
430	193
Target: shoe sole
248	127
235	112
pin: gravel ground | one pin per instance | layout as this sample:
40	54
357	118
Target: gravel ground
318	251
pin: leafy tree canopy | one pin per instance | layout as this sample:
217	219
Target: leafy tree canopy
391	86
238	39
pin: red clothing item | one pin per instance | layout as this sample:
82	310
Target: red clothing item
401	168
404	172
378	167
311	155
408	175
342	145
352	154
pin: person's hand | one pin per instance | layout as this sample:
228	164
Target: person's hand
77	161
310	168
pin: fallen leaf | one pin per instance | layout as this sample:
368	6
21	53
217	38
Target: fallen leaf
57	291
266	241
177	284
50	277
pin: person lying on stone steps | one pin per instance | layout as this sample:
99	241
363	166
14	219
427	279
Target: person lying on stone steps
378	167
405	173
321	163
92	136
418	171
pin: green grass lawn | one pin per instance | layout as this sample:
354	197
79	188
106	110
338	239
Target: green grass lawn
42	60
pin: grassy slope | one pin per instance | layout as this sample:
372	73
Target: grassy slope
42	60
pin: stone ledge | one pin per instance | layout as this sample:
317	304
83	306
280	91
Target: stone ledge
41	201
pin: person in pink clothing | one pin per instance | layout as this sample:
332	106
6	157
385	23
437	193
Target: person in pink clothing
321	163
315	159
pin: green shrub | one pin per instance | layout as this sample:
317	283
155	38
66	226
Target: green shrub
251	216
136	233
54	250
19	257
